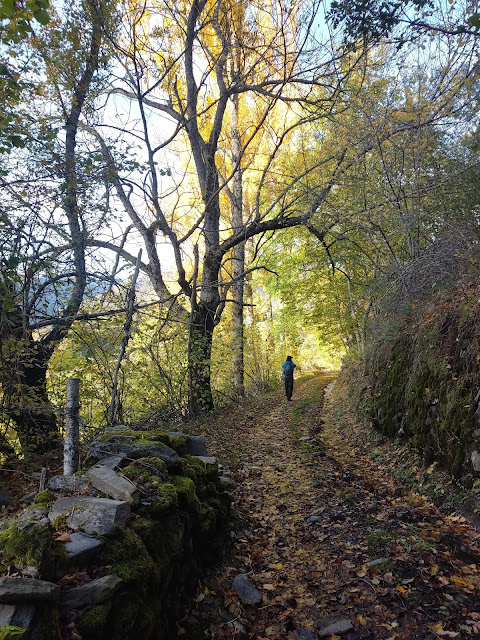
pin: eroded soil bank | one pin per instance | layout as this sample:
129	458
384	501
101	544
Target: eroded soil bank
328	538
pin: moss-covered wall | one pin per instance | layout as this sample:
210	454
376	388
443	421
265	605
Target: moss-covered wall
423	383
180	526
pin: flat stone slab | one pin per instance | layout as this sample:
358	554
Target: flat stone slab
19	615
6	614
94	516
68	484
109	482
28	499
377	562
475	457
245	589
92	592
81	548
13	590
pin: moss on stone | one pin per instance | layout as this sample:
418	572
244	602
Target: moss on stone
92	622
130	560
164	539
27	547
207	518
179	444
142	437
425	380
166	499
44	498
60	522
149	467
125	613
187	497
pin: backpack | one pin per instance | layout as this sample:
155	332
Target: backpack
288	369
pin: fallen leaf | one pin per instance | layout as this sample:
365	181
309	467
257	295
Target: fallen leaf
63	537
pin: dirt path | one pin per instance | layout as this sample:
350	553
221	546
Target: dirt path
328	539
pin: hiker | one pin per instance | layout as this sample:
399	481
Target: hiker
288	368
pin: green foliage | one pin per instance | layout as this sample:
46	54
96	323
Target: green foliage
153	375
11	631
372	18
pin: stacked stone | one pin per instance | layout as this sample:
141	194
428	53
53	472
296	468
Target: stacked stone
94	509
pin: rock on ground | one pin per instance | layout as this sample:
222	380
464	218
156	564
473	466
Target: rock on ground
245	589
336	628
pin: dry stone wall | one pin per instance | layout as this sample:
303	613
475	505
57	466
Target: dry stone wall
114	552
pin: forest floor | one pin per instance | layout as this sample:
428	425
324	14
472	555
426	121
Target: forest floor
329	538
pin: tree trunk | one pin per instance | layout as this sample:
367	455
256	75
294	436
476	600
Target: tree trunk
200	398
238	259
30	408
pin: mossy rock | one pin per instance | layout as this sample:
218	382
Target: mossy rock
93	622
142	437
164	500
130	560
179	444
187	496
144	615
44	498
164	539
28	547
150	467
207	518
194	468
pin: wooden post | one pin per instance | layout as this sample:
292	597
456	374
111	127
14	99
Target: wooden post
43	479
71	451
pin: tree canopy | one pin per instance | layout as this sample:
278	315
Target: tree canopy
277	167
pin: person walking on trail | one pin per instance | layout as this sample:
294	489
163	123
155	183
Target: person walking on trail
288	368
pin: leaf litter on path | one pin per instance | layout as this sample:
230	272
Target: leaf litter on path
375	559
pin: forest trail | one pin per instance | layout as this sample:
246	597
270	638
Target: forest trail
328	539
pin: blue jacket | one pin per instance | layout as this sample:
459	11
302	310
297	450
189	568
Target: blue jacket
288	368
